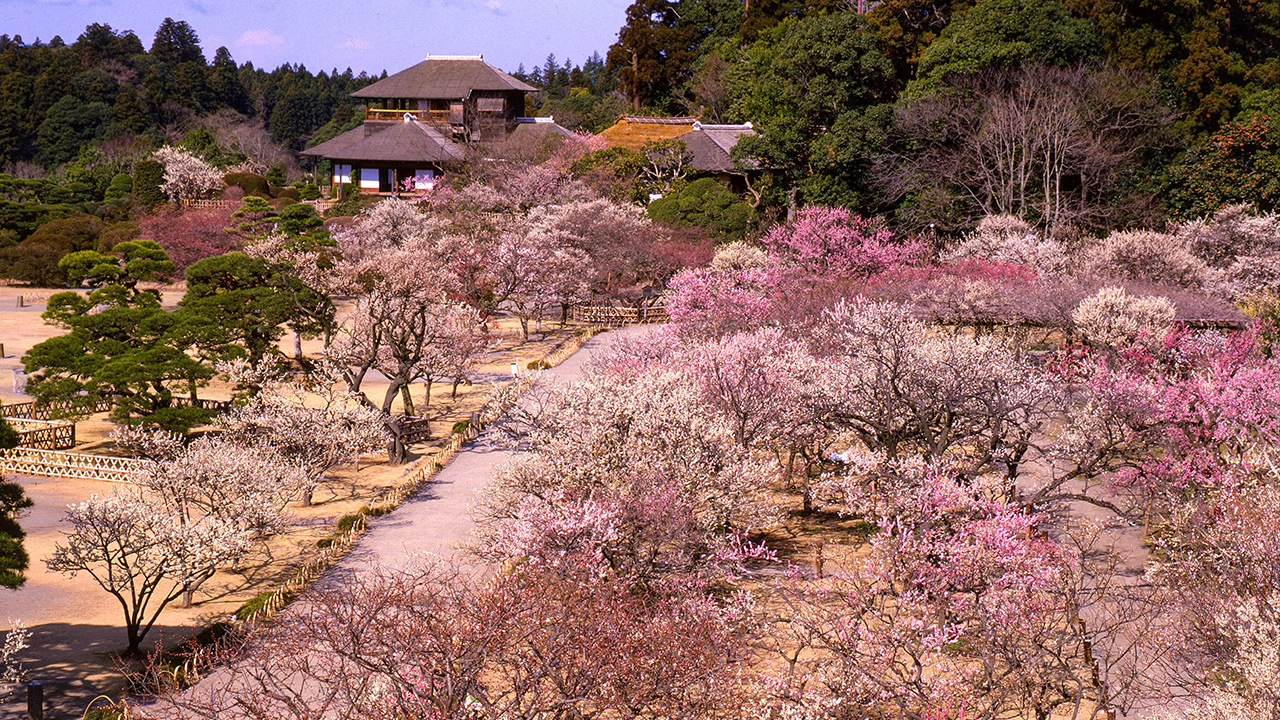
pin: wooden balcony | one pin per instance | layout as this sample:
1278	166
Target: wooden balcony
432	116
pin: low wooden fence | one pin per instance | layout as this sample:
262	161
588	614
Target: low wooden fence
205	204
53	463
618	316
44	434
33	411
203	404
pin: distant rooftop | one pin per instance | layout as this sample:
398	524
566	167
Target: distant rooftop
633	131
710	145
408	141
651	120
443	76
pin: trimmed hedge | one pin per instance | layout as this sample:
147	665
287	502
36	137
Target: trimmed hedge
250	183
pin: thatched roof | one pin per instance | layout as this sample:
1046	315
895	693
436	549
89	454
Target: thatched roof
410	141
633	131
709	145
443	77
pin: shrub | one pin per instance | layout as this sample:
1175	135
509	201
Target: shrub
292	193
250	183
35	265
310	192
254	604
81	231
188	176
539	365
192	235
1251	275
120	186
461	426
828	240
275	175
117	233
707	204
1148	255
738	256
148	176
346	522
1233	231
1008	239
1112	317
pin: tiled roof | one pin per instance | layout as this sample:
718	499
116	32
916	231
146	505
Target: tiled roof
410	141
711	145
535	129
443	77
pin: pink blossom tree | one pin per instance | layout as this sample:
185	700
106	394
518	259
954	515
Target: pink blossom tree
832	240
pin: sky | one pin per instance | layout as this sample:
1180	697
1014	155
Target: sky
368	35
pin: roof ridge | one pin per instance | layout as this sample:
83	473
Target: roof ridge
658	120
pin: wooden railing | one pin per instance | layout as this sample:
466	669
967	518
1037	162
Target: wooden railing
617	316
431	116
44	434
47	411
52	463
203	404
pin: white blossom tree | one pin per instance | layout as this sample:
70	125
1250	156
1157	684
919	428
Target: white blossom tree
187	176
309	420
192	511
138	549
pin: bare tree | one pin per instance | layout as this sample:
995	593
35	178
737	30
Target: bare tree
1045	143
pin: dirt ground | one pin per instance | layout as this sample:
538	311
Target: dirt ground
77	627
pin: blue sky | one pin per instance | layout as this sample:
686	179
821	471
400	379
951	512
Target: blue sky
370	35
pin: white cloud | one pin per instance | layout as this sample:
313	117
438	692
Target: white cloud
259	38
354	43
495	6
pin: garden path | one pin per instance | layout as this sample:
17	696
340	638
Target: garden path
437	519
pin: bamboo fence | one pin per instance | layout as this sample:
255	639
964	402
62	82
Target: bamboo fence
618	316
53	463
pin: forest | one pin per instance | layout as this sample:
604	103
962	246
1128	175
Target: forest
966	407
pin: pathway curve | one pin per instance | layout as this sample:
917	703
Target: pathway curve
437	519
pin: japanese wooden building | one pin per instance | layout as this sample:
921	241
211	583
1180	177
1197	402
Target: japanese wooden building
416	119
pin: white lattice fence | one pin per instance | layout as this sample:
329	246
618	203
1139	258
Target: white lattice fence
54	463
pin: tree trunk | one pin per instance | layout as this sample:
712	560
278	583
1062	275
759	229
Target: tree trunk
297	345
397	451
407	399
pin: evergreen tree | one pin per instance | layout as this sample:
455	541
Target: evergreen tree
176	42
13	500
225	83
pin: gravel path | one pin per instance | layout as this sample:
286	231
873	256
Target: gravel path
437	519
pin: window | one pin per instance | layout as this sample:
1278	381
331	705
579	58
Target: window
491	104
